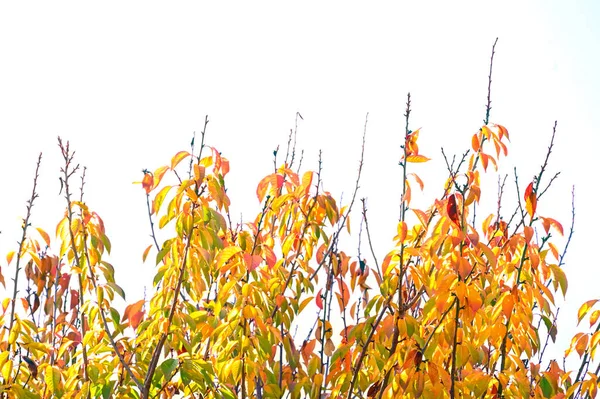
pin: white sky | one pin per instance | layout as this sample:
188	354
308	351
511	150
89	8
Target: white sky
128	83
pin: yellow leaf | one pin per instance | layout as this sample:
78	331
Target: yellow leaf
226	254
9	256
487	133
158	175
417	158
306	182
235	369
595	343
44	235
181	155
14	332
489	254
584	309
594	317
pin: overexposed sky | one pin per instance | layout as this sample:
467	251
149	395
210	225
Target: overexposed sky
129	83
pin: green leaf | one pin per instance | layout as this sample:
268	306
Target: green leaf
106	243
552	330
168	367
163	251
117	289
107	389
23	393
116	318
546	387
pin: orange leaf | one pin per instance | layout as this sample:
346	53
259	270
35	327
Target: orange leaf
422	216
134	313
475	142
307	349
581	345
272	181
502	131
407	194
474	299
508	304
549	222
484	160
224	166
530	200
554	251
270	257
145	254
386	262
411	143
148	182
528	230
402	230
418	180
463	268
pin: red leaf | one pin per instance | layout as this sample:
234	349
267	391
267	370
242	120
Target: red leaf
452	210
319	299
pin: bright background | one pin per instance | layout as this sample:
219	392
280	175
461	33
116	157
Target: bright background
129	83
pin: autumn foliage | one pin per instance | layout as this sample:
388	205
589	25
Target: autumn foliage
463	305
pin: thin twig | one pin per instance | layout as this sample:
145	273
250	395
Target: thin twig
488	107
24	227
